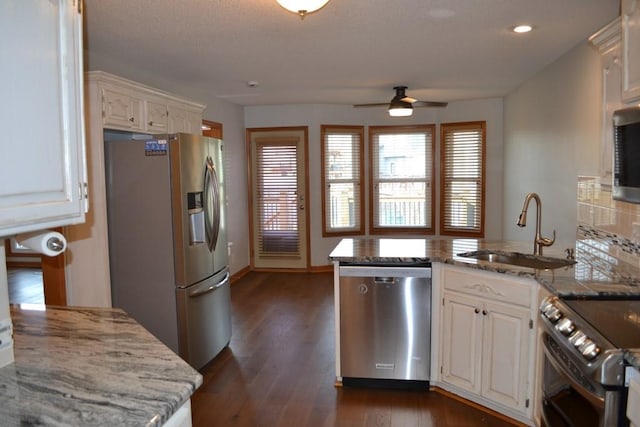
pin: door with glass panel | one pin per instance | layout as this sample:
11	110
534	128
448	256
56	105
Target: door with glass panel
279	208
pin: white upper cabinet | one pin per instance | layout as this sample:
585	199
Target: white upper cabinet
122	109
157	119
184	120
630	50
134	107
42	166
607	41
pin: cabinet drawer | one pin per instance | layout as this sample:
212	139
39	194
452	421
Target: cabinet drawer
493	286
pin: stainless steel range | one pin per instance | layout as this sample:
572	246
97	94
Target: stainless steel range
584	368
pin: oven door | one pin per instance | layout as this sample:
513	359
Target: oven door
570	398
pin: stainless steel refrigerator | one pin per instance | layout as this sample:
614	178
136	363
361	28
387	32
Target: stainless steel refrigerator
167	240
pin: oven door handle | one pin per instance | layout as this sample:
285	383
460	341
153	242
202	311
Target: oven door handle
593	398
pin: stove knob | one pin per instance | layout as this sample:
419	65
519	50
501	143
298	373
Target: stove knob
565	326
546	305
553	314
589	349
577	338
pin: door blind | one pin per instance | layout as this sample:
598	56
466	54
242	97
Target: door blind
463	186
342	158
277	199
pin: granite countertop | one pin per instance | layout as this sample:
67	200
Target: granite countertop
90	367
588	277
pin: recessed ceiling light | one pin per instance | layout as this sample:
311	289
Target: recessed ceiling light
522	28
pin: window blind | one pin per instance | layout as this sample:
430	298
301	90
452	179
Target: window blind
277	199
401	179
463	179
342	158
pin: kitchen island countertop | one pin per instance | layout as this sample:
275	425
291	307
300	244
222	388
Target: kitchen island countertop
587	277
90	367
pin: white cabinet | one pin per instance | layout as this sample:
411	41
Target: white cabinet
113	103
183	120
630	14
157	116
42	167
122	110
505	354
131	107
461	342
607	41
488	340
181	418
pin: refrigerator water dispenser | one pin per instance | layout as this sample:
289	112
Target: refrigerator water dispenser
196	218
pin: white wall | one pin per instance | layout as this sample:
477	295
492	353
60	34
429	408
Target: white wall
315	115
552	135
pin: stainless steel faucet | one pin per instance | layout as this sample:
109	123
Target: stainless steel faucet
538	241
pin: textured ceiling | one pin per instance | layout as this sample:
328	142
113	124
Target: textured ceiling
351	51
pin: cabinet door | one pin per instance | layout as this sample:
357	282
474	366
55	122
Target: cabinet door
630	50
461	342
42	166
122	110
611	101
156	121
182	120
505	354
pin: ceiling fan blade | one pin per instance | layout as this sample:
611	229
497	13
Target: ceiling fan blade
380	104
408	99
429	104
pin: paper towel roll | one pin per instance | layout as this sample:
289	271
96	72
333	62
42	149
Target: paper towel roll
46	242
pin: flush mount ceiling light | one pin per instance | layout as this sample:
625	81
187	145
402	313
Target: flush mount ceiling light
302	7
522	28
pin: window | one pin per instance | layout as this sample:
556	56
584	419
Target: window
342	159
463	179
401	179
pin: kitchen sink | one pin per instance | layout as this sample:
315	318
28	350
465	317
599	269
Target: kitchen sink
521	260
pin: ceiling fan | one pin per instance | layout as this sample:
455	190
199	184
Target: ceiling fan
402	105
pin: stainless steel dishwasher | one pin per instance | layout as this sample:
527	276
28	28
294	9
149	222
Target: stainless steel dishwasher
385	325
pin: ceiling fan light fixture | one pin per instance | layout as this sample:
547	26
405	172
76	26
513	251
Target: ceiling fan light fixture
399	108
302	7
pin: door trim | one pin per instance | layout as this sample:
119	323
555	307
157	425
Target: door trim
250	172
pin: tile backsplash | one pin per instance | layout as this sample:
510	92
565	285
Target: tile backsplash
610	225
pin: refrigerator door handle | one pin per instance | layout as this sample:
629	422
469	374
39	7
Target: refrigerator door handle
216	207
199	292
209	203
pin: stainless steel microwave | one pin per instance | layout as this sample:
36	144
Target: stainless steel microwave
626	159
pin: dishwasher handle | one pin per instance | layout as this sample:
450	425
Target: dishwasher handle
377	271
385	280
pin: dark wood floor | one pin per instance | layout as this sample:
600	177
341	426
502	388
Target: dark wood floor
279	368
25	286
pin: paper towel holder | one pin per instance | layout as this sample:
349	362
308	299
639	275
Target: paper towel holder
44	242
55	244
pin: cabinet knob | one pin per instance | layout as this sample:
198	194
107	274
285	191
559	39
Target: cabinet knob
131	119
484	312
476	311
